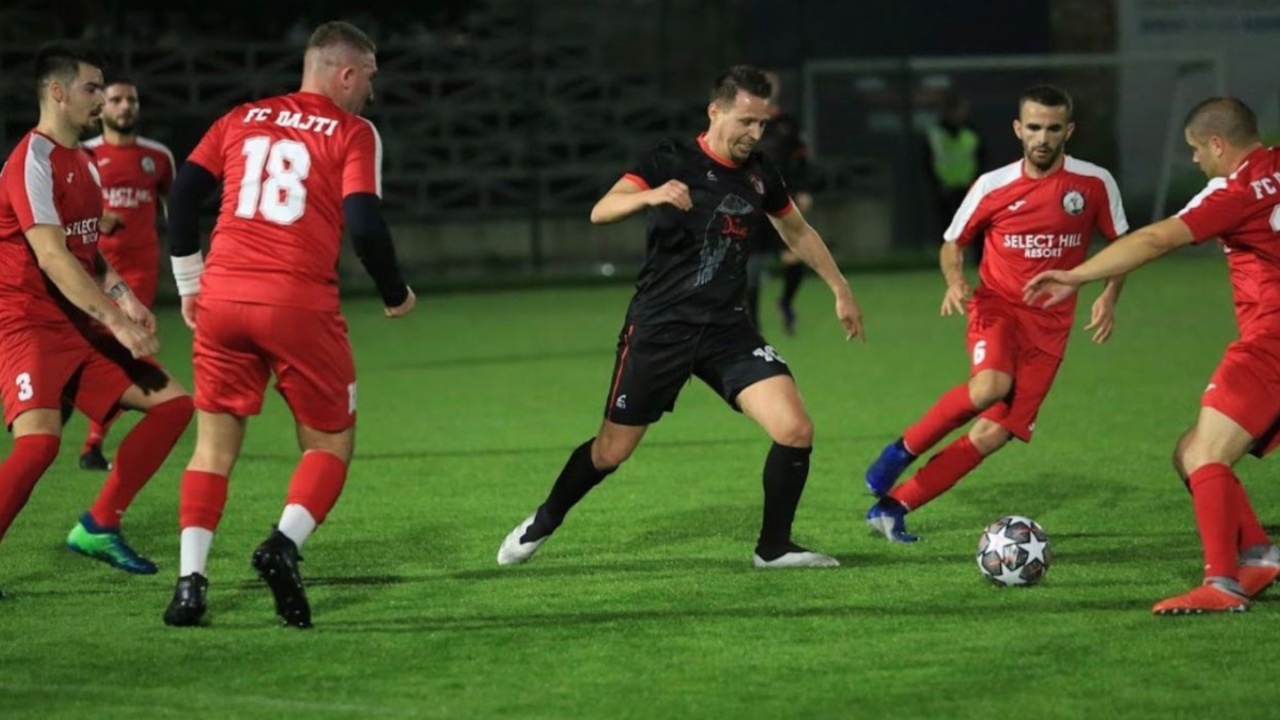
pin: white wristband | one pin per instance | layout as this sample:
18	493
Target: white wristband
187	271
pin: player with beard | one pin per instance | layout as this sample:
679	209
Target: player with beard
71	330
136	173
1036	214
704	199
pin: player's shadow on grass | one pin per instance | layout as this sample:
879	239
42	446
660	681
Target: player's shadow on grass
497	360
758	440
558	621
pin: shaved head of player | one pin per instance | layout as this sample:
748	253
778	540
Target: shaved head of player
340	64
1221	132
1044	126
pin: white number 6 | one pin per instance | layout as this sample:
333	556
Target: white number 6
979	352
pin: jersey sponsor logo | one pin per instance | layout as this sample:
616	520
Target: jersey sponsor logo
1017	205
126	197
148	165
1043	245
768	354
758	184
86	229
728	225
1073	202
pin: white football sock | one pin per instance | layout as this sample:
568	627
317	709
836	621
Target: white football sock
195	550
297	524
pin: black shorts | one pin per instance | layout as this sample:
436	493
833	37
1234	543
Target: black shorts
655	361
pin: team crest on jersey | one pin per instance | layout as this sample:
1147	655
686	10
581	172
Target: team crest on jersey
1073	202
148	166
758	184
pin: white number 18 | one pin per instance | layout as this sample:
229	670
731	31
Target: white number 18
282	197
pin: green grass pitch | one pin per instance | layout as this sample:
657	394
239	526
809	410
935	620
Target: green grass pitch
645	604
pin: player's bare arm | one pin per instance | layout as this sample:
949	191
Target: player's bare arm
1122	256
807	244
1102	317
626	198
119	291
951	261
49	244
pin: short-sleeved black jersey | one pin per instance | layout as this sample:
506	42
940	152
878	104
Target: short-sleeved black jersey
695	262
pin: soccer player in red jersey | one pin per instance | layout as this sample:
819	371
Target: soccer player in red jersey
1036	214
70	329
295	169
136	173
1240	409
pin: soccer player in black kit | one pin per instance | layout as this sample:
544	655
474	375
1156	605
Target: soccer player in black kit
704	198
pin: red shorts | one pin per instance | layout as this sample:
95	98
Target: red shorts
239	345
40	366
998	342
1246	388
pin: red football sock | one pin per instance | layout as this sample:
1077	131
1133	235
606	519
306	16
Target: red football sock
1251	531
938	475
140	456
316	483
97	434
201	500
31	456
1213	491
951	411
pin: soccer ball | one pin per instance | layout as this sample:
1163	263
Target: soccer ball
1014	550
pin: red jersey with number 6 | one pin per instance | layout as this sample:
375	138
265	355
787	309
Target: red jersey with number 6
285	163
1034	224
1243	210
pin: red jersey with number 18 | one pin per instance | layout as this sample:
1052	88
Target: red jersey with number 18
1036	224
285	163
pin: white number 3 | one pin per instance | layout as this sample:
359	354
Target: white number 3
25	391
979	352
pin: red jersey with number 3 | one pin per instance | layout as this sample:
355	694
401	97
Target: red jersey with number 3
1030	225
1243	211
285	163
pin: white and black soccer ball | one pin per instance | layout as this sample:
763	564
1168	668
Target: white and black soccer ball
1014	550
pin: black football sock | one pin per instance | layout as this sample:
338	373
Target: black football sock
785	471
576	480
792	275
